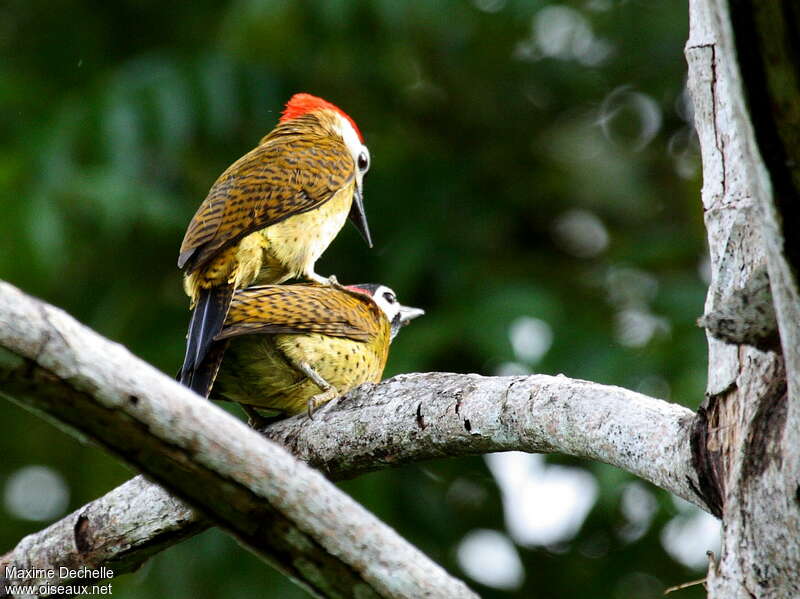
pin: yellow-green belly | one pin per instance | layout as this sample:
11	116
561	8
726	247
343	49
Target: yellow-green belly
257	369
296	243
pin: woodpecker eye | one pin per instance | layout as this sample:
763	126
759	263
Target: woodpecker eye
363	161
389	297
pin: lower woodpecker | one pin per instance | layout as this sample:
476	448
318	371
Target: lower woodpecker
293	348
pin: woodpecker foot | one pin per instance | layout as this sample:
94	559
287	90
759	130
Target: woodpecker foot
334	282
329	405
328	390
330	281
320	399
318	279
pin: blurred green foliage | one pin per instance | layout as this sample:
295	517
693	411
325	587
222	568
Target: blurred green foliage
533	172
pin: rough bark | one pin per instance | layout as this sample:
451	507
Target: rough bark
284	511
747	317
745	443
403	420
416	417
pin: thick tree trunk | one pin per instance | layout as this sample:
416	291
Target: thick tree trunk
745	444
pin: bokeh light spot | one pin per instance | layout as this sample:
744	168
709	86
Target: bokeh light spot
635	328
530	338
688	537
512	369
638	506
36	493
563	32
490	558
581	233
490	6
543	505
629	118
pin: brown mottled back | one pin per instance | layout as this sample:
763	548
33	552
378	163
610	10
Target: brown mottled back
304	309
277	179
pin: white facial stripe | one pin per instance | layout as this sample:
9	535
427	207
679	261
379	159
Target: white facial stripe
390	309
350	137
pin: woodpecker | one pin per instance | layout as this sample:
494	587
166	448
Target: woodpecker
272	214
290	348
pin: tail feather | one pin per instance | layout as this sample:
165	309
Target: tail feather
206	323
206	372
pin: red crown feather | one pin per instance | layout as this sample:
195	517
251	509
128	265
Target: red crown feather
358	289
300	104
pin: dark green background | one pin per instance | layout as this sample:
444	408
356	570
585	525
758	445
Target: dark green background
116	117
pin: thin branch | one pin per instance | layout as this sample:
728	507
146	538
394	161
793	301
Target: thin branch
404	420
284	511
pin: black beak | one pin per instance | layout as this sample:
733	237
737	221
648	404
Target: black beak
359	217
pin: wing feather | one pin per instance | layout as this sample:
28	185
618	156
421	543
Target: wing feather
299	166
303	309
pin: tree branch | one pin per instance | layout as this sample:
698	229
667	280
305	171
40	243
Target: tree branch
416	417
281	509
403	420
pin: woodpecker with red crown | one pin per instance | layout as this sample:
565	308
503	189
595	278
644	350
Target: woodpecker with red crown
272	214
